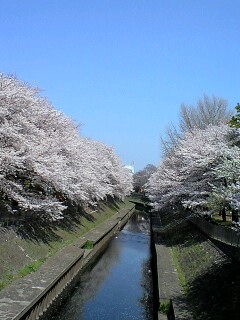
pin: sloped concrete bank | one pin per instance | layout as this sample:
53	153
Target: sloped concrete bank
31	296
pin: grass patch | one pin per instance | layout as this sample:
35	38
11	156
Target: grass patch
88	244
190	260
181	275
32	267
194	258
190	252
164	306
24	271
218	220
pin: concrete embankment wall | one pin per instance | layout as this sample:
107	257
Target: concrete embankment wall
201	264
31	296
167	289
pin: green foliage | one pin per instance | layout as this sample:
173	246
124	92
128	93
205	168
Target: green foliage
217	219
217	198
88	245
32	267
189	256
181	276
9	278
235	121
164	306
225	190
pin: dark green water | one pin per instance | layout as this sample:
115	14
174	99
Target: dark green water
119	284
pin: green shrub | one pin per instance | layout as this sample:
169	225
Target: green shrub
88	245
164	306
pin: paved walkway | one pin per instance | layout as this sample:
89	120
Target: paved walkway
168	282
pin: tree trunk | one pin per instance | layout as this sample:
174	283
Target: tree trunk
234	215
224	215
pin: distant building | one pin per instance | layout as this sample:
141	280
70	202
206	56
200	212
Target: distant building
130	168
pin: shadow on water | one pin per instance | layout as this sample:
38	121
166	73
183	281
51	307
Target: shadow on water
146	283
119	284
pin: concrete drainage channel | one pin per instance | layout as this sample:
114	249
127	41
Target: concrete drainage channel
30	297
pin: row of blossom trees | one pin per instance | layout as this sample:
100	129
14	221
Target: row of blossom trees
44	162
201	167
140	178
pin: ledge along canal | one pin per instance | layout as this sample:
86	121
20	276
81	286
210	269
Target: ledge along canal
118	284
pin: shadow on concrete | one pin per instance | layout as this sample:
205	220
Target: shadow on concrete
112	203
215	293
38	229
174	229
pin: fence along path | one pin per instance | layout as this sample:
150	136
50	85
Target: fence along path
225	235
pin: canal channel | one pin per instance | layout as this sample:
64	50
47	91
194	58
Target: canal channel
118	285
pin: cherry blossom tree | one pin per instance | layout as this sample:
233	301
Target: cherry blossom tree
225	193
184	176
45	163
141	177
208	111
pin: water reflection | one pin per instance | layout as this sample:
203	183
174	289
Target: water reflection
118	286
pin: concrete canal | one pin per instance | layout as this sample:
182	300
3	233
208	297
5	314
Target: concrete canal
118	285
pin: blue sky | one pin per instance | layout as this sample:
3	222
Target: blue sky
122	68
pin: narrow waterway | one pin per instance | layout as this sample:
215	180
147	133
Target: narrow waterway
119	284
